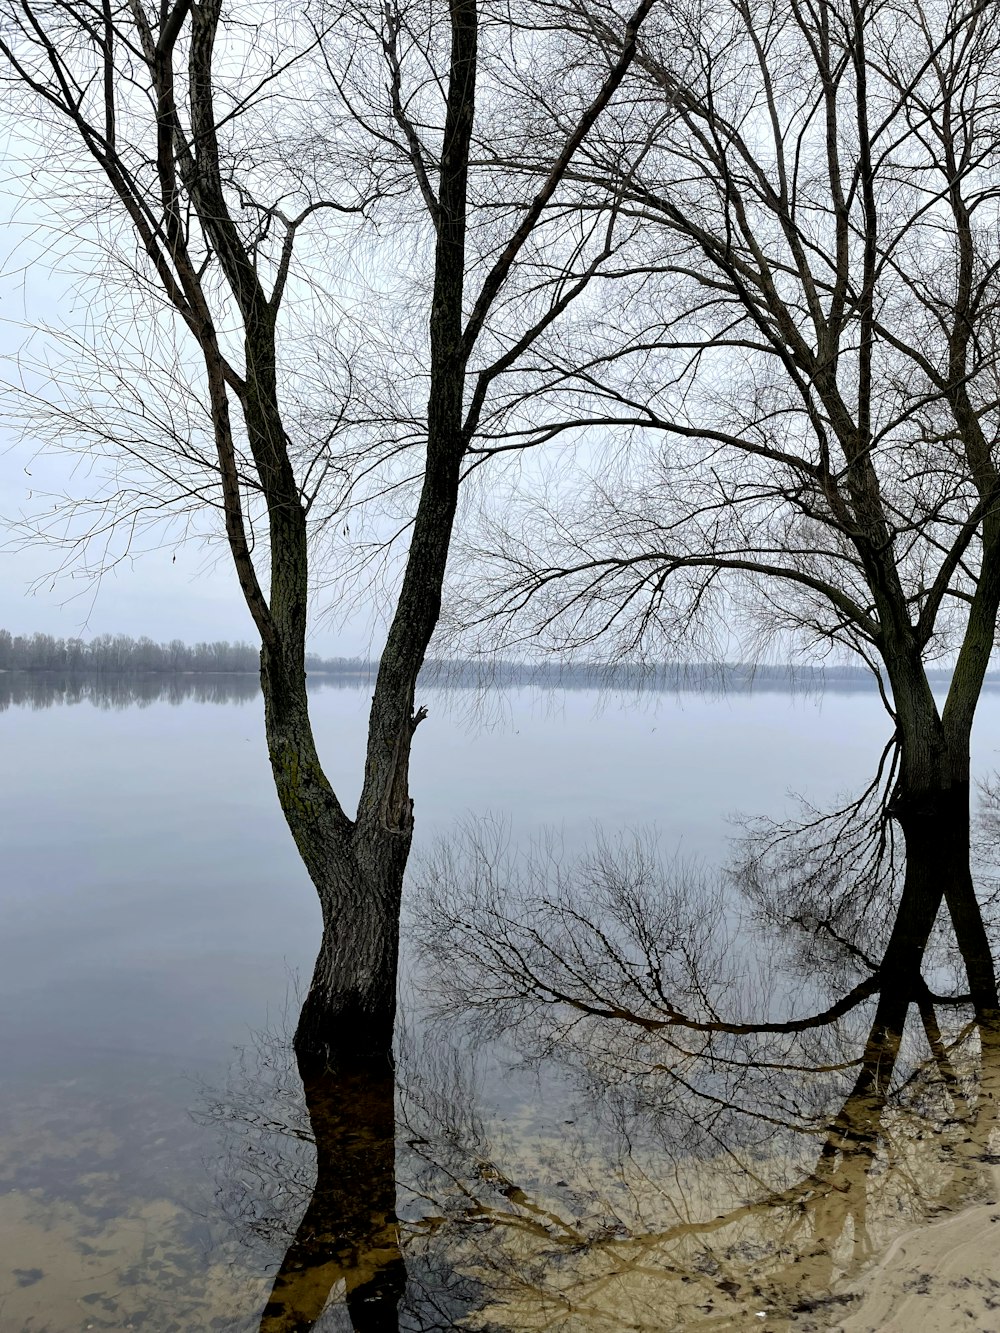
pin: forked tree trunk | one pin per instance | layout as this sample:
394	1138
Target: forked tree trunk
357	867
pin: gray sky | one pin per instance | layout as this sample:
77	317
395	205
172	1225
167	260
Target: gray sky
181	591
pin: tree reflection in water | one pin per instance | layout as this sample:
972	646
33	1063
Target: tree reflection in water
742	1136
49	689
116	691
349	1232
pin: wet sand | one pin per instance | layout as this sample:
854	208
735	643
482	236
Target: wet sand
935	1278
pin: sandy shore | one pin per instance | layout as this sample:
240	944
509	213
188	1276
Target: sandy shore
934	1279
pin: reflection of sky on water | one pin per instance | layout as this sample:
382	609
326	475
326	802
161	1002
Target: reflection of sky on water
155	912
153	899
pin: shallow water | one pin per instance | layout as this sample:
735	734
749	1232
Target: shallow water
159	1158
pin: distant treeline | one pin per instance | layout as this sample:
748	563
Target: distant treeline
114	691
629	677
122	655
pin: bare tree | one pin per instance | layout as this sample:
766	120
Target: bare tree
208	132
804	416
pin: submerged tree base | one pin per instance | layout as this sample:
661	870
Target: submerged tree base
341	1033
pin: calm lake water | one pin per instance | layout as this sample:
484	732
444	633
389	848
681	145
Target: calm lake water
157	1155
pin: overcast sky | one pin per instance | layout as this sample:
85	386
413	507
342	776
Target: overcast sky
181	591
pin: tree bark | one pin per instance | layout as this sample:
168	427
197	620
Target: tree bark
357	868
349	1012
932	823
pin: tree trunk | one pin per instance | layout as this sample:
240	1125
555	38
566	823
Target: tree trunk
357	868
930	856
349	1012
935	818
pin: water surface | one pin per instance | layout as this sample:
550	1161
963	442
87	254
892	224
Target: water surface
159	1157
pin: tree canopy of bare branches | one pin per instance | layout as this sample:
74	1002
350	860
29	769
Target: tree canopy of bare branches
801	419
